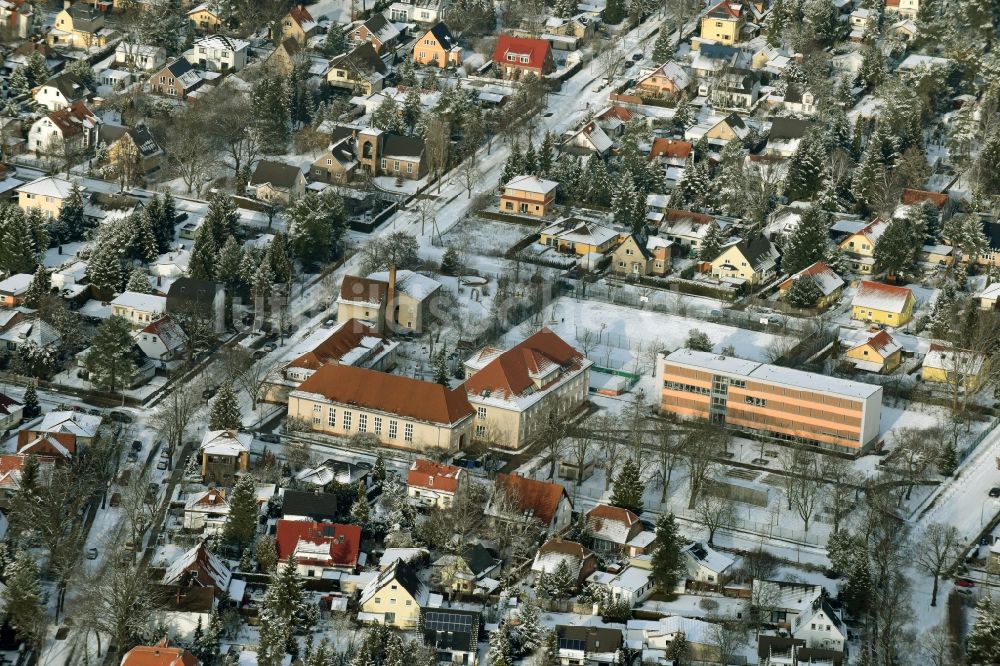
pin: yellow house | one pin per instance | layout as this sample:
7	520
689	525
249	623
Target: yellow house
831	286
936	255
989	296
751	261
946	365
879	354
438	48
860	246
394	598
723	23
528	195
638	258
360	70
80	26
203	19
882	304
727	129
46	194
299	25
575	236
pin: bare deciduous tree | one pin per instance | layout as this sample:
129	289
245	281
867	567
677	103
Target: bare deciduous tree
715	512
936	549
175	413
803	485
700	446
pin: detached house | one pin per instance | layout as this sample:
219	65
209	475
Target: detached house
217	53
390	300
139	309
612	527
17	17
190	297
140	56
339	163
907	9
68	131
429	483
518	498
80	26
318	548
437	48
860	246
361	70
394	598
831	286
13	289
572	235
949	365
469	571
178	79
637	256
299	25
277	183
879	353
162	341
588	140
204	19
516	392
160	654
706	565
62	91
378	32
206	511
199	567
528	195
803	611
753	261
723	23
126	142
882	304
588	645
10	412
516	56
225	454
580	560
667	79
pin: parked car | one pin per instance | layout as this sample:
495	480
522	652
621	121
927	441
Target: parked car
164	453
270	347
133	456
162	465
120	417
91	553
995	491
964	582
269	437
136	445
329	323
637	57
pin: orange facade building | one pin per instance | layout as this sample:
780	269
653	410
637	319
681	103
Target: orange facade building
771	401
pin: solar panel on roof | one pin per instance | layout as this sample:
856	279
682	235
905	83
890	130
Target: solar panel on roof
572	644
439	621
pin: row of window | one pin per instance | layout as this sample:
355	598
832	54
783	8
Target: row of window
688	388
347	422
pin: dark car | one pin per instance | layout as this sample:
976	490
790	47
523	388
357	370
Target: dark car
995	492
637	57
120	417
136	445
269	437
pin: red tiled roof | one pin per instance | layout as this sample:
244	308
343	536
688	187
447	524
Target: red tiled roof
510	373
160	654
541	498
341	341
881	341
537	51
619	112
725	10
413	398
605	512
433	476
674	214
670	148
300	15
911	196
355	288
41	443
70	120
212	497
344	540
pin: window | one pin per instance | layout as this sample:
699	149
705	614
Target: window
408	432
331	417
756	402
480	430
378	425
621	264
395	165
393	428
329	161
628	251
511	57
378	600
347	420
423	55
481	412
409	167
362	423
317	409
524	60
384	163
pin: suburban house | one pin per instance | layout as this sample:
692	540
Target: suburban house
378	32
452	632
736	89
83	427
162	341
59	446
13	289
299	25
948	365
657	638
423	12
785	136
124	142
437	48
318	549
309	506
17	17
384	154
11	412
468	571
140	309
573	235
667	79
225	454
80	26
285	56
905	8
204	19
206	511
803	610
160	654
860	246
277	182
685	228
46	193
783	650
338	163
390	300
706	565
675	156
516	392
719	131
430	483
401	412
199	567
589	139
753	261
831	286
639	256
798	100
612	527
69	131
582	561
880	353
520	498
62	91
723	23
882	304
35	332
218	53
517	56
588	645
177	79
143	57
394	598
528	195
988	297
360	69
843	415
712	58
11	466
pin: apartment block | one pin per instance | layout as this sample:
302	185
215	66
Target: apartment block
771	401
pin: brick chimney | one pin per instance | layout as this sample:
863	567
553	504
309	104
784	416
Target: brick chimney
390	306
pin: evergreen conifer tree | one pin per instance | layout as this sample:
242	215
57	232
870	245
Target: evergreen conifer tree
241	524
110	361
441	368
22	598
529	630
711	245
984	637
31	406
804	292
668	561
808	242
500	648
663	48
70	217
378	469
225	414
282	614
628	487
138	281
450	262
39	287
203	255
361	510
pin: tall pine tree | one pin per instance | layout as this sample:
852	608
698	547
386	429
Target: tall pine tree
241	524
225	414
668	562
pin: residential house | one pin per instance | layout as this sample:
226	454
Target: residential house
14	288
11	412
204	19
83	427
437	48
528	195
129	143
330	470
206	511
299	25
686	229
218	53
162	341
160	654
384	154
675	155
955	367
468	571
35	332
80	26
177	79
719	131
753	261
552	554
138	308
402	412
882	304
880	353
935	256
518	391
588	645
391	300
860	246
987	297
17	18
318	549
225	454
11	466
62	91
656	637
454	633
631	585
199	567
517	56
394	598
143	57
519	498
378	32
798	100
907	9
669	79
788	651
707	566
735	89
572	235
589	139
59	446
615	118
785	135
639	256
831	286
803	611
430	483
338	164
859	20
68	132
361	70
723	23
422	12
286	55
711	59
309	506
277	182
612	527
193	298
574	28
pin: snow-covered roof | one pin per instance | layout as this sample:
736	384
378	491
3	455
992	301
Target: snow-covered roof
991	291
141	302
48	186
75	423
531	184
917	61
820	273
967	363
213	567
706	556
222	43
573	230
16	284
412	284
226	442
695	631
881	297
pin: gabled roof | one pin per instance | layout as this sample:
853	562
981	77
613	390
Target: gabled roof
537	51
8	405
76	423
416	286
402	574
316	506
708	557
725	11
512	373
344	339
672	71
557	550
593	134
201	559
363	58
589	639
302	17
882	297
612	523
532	184
276	174
17	284
381	28
356	289
821	273
434	476
179	67
141	302
911	196
168	330
211	499
72	87
226	442
188	292
394	145
670	148
964	361
392	394
48	186
45	443
222	43
789	128
73	119
535	499
874	230
883	343
159	655
758	252
328	544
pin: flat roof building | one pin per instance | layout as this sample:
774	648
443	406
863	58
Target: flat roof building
771	401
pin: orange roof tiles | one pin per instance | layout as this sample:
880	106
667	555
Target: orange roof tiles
433	476
510	373
670	148
911	196
342	340
160	654
344	540
540	498
537	50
